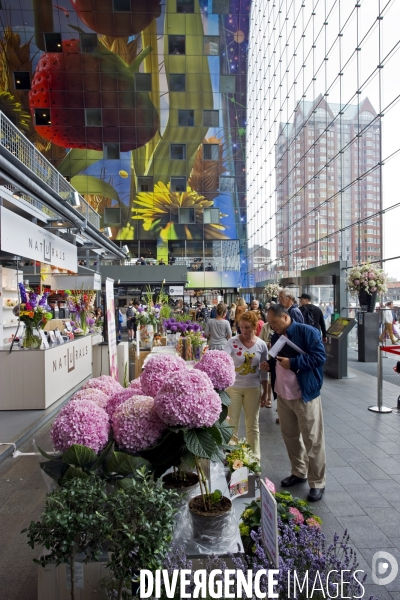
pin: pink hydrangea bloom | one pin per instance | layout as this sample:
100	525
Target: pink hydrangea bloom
311	522
105	383
136	424
136	386
298	517
188	398
93	394
81	422
157	370
219	367
119	398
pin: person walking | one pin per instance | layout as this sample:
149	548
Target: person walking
287	299
255	305
218	330
232	312
248	352
241	307
313	315
297	384
387	320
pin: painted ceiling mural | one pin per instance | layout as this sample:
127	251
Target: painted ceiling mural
140	103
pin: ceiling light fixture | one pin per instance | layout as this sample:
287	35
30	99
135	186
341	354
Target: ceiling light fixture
17	194
125	249
107	232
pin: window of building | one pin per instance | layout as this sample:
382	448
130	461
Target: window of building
93	117
178	184
53	42
211	45
211	215
143	82
22	80
122	5
42	116
88	42
177	82
210	118
187	216
178	151
111	151
112	216
221	7
185	6
176	44
185	118
211	151
145	184
227	185
227	84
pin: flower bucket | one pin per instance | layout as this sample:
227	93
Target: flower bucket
209	524
146	336
368	300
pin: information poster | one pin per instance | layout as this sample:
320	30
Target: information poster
269	523
112	335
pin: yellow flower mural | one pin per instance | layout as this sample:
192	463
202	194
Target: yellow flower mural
158	211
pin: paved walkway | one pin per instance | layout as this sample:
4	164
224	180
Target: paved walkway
362	495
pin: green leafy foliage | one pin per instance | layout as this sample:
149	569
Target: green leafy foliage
79	456
73	522
141	521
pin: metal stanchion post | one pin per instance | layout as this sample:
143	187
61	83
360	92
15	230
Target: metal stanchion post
380	408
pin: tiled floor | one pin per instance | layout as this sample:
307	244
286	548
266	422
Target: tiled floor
362	494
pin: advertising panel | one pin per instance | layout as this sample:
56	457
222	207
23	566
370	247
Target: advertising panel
112	334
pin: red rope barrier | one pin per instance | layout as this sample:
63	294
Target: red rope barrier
392	349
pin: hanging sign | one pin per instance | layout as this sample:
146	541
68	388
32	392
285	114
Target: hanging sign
269	523
23	238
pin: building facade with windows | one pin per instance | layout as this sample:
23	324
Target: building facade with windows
141	105
322	153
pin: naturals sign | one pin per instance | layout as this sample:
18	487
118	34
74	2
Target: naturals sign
23	238
66	366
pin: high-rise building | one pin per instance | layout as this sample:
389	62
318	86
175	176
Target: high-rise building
310	173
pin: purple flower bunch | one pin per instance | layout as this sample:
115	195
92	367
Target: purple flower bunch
187	398
22	293
136	424
181	327
81	422
219	367
136	386
157	370
94	394
105	383
119	398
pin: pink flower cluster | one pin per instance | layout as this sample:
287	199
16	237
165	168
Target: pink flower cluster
298	516
105	383
157	370
136	424
93	394
187	398
219	367
81	422
119	398
311	522
136	386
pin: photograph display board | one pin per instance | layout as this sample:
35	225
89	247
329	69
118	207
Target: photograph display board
112	336
269	523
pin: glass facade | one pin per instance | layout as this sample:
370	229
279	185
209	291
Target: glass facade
323	153
142	106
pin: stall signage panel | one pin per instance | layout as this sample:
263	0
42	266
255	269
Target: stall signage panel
112	334
23	238
176	290
66	366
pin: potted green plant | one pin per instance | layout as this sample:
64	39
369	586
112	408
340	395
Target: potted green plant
73	523
141	524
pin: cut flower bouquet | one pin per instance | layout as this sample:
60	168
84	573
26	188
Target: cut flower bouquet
367	277
34	312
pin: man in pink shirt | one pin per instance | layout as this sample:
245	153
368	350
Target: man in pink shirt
297	382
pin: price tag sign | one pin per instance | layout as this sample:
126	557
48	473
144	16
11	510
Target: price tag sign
239	484
45	343
269	523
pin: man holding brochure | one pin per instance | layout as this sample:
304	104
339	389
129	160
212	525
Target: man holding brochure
296	359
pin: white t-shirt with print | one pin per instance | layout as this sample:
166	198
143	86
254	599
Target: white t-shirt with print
247	362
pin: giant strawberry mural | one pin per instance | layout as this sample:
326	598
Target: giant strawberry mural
70	81
117	18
